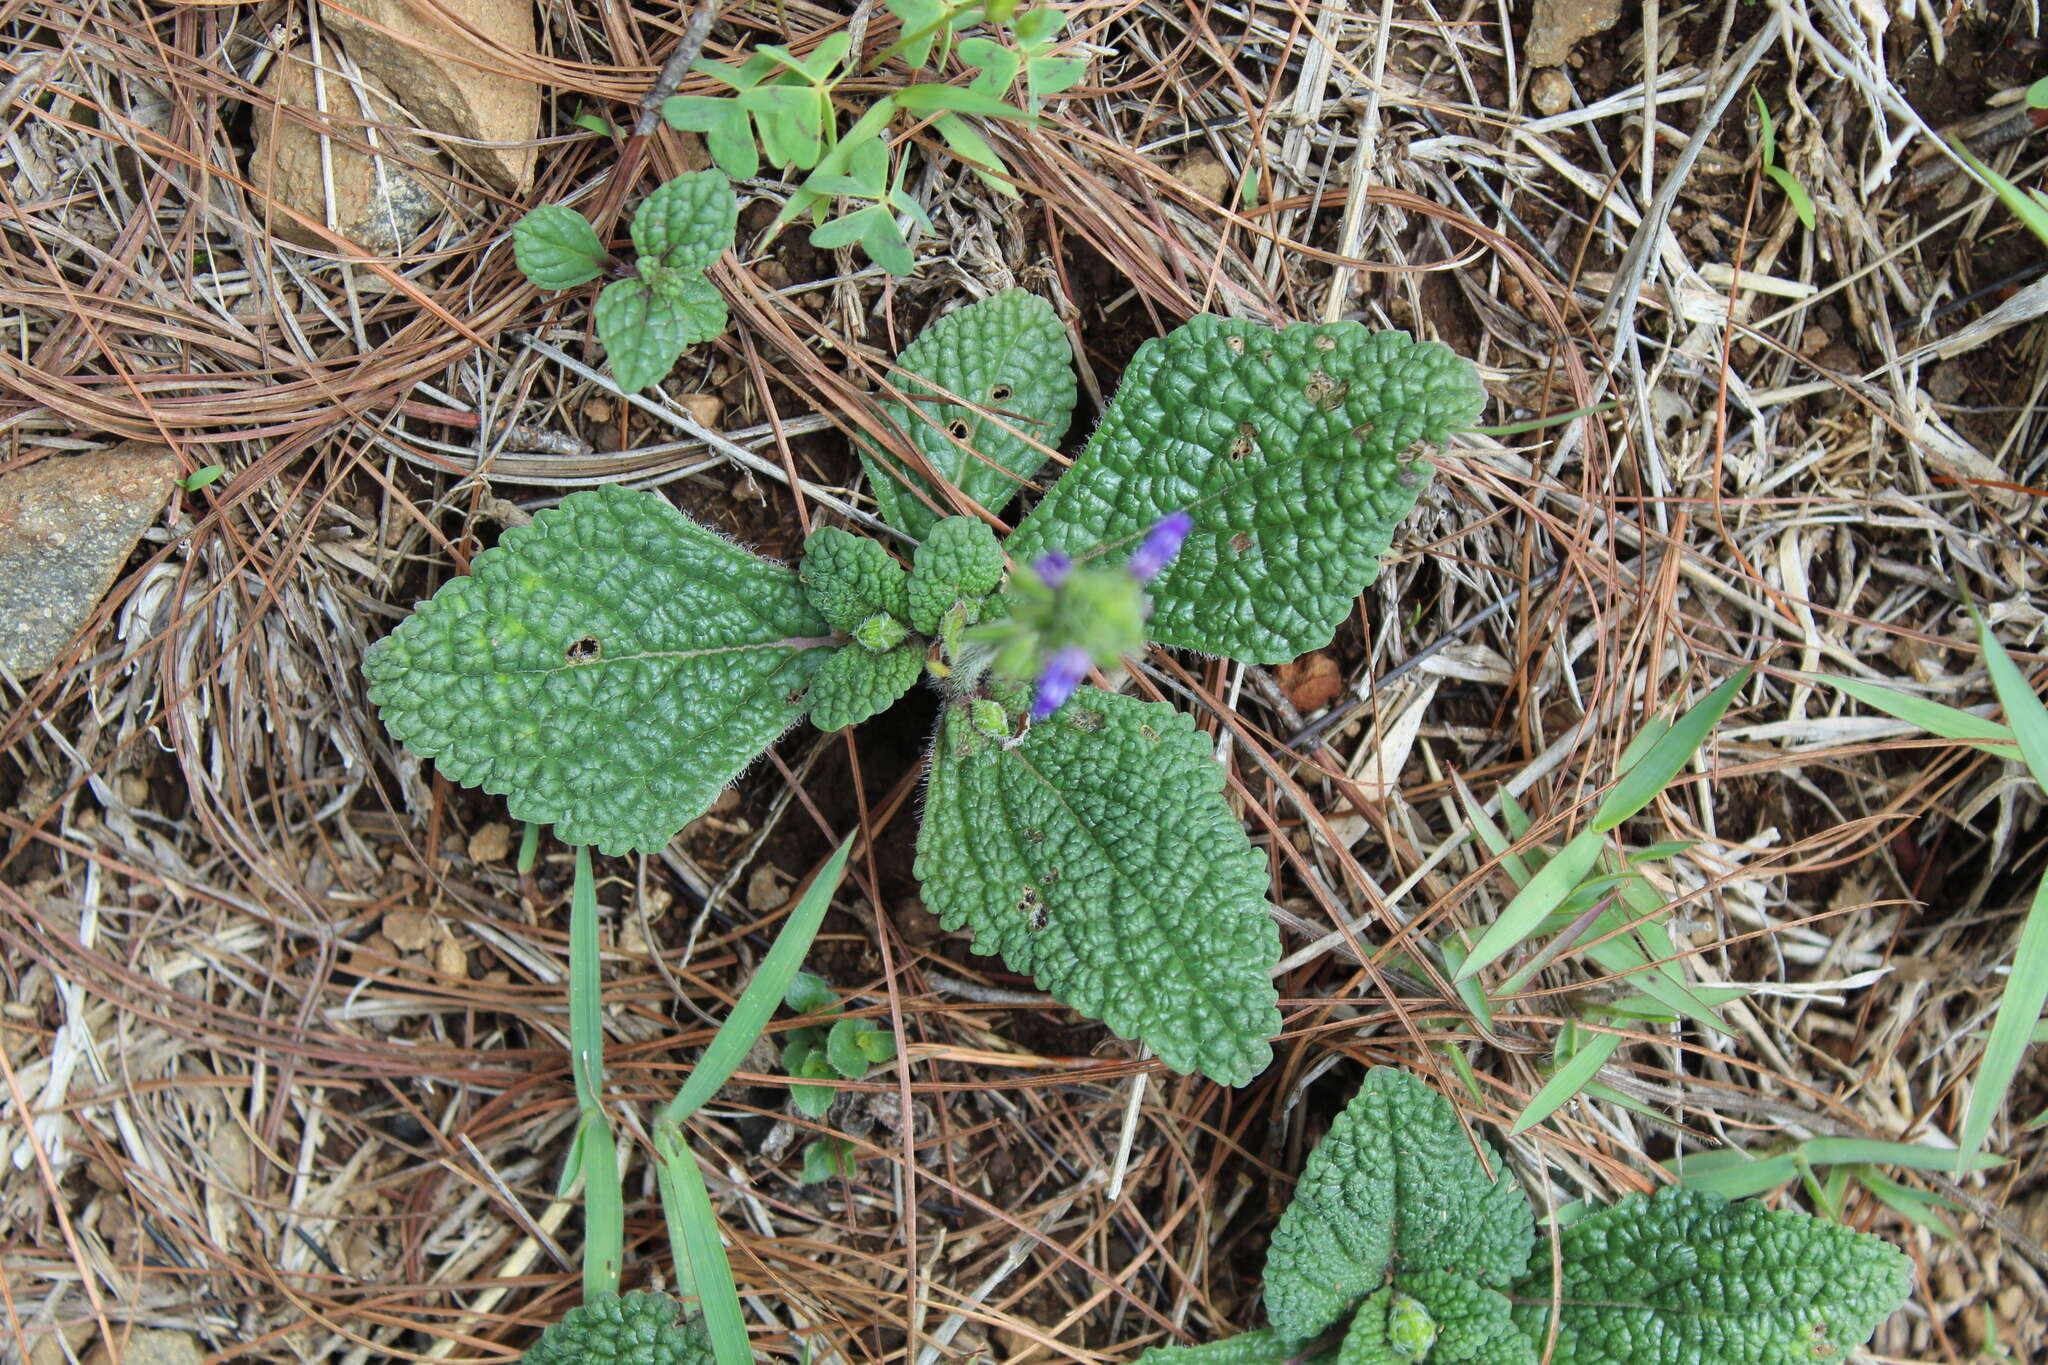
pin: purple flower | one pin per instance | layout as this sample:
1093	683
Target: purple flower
1063	673
1052	568
1160	545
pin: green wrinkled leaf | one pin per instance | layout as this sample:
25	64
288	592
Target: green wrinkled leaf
959	561
849	578
607	669
1365	1340
1009	355
687	223
641	1327
1297	452
1395	1181
1099	858
643	334
1690	1278
856	684
1474	1324
556	248
1265	1347
698	307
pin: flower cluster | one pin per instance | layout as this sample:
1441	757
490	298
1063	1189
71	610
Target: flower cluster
1069	663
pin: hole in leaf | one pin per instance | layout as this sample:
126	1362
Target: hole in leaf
1247	441
585	650
1241	542
1325	393
957	429
998	393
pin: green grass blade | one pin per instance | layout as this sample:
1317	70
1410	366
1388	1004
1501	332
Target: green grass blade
1733	1174
1567	1081
1663	760
701	1265
756	1005
1909	1204
604	1205
1542	894
1931	716
2023	710
2026	991
1875	1152
2027	210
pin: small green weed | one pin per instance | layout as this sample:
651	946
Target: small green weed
663	302
784	108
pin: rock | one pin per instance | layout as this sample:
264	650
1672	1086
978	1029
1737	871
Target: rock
379	204
764	889
491	842
1550	92
1556	25
67	525
147	1348
409	930
448	82
1310	682
1206	176
704	408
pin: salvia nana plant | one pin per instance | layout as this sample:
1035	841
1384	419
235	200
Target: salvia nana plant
609	668
1402	1247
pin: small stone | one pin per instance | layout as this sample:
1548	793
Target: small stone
1555	25
67	525
133	789
1310	682
491	843
1206	176
705	408
451	84
598	408
146	1348
409	930
449	958
764	889
378	204
1550	91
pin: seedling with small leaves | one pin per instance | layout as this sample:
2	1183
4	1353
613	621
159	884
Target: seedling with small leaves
1403	1247
1795	190
845	1049
783	108
662	303
612	666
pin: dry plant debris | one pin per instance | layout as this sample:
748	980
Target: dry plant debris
280	1054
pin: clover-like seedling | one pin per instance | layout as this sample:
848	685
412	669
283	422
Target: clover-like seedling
1401	1248
664	303
610	667
847	1049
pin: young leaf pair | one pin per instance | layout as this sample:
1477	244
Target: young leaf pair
1401	1247
665	303
609	668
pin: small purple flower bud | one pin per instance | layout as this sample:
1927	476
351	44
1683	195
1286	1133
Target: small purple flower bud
1052	568
1160	545
1063	673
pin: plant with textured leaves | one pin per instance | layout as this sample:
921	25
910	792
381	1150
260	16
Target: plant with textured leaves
1402	1246
661	303
611	667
